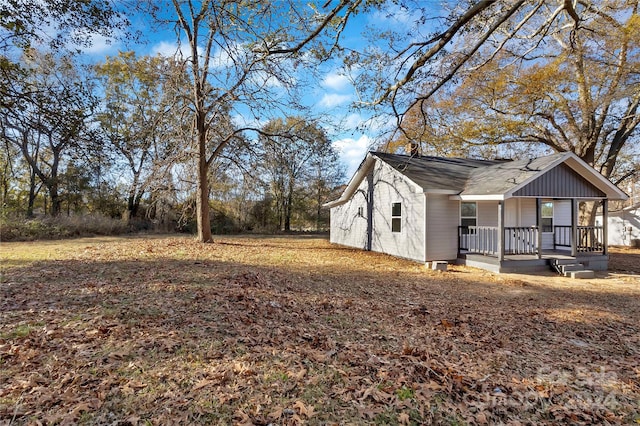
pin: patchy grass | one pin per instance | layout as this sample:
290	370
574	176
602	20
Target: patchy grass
293	330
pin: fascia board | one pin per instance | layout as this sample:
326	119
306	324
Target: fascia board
355	181
602	183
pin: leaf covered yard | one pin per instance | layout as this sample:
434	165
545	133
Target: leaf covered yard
293	330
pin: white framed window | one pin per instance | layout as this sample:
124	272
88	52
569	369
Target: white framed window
396	217
468	213
546	214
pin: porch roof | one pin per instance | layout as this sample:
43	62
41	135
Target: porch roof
561	175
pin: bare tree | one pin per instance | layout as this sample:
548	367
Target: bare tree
579	92
244	55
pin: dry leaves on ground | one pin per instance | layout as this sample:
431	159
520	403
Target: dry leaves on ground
293	330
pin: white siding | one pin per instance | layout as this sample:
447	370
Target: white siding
347	227
512	212
562	217
487	213
623	227
389	186
528	215
562	213
442	227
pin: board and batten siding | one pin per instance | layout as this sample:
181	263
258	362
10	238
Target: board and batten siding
375	194
560	182
442	220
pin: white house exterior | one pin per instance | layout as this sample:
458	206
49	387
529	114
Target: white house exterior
503	216
624	226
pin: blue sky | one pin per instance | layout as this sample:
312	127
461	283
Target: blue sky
331	96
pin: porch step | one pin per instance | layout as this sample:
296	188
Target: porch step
570	267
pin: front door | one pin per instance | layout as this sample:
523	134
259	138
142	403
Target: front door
546	214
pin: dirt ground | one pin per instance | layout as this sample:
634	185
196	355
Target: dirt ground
624	260
293	330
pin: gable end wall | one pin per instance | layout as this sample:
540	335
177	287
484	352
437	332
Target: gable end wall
385	186
560	182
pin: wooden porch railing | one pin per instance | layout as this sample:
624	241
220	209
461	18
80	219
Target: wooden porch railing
478	239
521	240
589	238
524	240
562	236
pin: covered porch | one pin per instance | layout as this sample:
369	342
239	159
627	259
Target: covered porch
517	235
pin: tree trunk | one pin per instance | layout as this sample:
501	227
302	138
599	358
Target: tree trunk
55	199
202	192
52	185
287	209
32	194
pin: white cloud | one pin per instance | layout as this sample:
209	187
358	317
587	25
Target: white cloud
352	151
168	49
101	45
330	100
336	81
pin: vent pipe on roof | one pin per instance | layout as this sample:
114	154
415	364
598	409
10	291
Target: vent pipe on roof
414	149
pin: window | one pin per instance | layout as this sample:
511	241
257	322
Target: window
396	217
468	214
360	211
546	213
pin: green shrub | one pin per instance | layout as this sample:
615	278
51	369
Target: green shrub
51	228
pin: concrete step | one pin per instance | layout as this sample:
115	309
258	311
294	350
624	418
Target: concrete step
586	273
571	267
562	261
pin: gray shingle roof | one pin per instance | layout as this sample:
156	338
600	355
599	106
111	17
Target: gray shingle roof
467	176
500	178
437	173
470	178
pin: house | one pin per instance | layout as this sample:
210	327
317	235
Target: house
623	225
504	216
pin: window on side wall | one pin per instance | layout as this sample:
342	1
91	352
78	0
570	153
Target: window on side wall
396	217
546	213
468	213
360	211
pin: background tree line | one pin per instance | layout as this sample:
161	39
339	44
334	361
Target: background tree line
159	140
111	140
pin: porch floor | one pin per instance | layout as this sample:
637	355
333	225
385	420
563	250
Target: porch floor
531	263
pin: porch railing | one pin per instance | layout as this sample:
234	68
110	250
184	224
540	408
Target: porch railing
561	236
478	239
521	240
524	240
590	239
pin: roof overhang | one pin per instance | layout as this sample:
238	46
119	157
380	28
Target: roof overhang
611	191
353	184
471	197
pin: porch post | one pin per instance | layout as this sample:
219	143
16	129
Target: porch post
574	227
539	223
605	220
500	231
